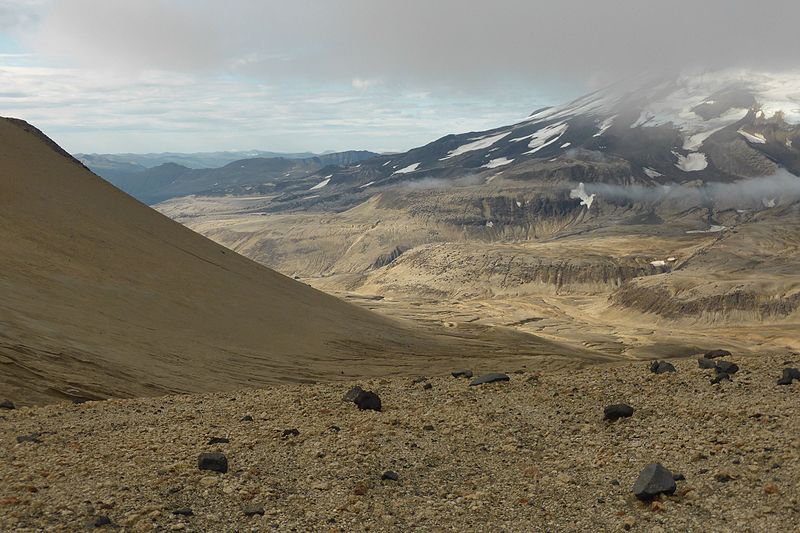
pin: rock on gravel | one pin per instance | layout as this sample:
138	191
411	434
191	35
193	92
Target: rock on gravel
617	411
7	404
462	374
215	461
706	364
219	440
368	401
720	377
252	510
390	475
661	367
101	521
652	481
727	367
713	354
788	375
352	394
183	511
489	378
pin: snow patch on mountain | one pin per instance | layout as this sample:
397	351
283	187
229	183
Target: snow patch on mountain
409	168
499	162
543	137
322	183
652	173
480	144
607	123
691	162
580	193
752	137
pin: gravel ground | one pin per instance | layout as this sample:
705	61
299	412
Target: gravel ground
531	454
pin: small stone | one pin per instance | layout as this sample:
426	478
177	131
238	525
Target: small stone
661	367
360	489
713	354
657	506
390	476
418	380
368	400
771	488
628	522
727	367
183	511
489	378
654	480
352	394
7	404
293	432
427	427
208	481
723	477
706	363
427	386
216	462
218	440
101	521
462	374
720	377
617	411
788	375
246	418
255	509
679	477
33	437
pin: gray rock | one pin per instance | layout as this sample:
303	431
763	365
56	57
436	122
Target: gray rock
7	404
368	400
661	367
390	476
427	386
489	378
617	411
33	437
720	377
654	480
183	511
246	418
216	462
727	367
252	510
293	432
706	363
352	394
713	354
101	521
462	374
218	440
789	375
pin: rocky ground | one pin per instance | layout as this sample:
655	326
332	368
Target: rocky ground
533	453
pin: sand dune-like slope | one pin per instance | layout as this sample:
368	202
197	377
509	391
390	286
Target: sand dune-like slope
102	296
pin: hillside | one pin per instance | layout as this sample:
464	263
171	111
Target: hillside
104	297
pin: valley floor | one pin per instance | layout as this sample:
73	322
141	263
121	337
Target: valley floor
530	454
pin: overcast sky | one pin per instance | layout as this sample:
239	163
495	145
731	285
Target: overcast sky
386	75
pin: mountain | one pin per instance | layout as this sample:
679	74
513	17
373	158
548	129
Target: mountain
191	160
103	296
256	175
669	201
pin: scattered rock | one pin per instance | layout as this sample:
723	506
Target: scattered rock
293	432
720	377
617	411
789	375
713	354
360	489
421	379
216	462
462	374
183	511
427	386
489	378
390	476
706	363
427	427
352	394
661	367
723	477
101	521
679	477
771	488
255	509
33	437
246	418
218	440
7	404
727	367
368	400
654	480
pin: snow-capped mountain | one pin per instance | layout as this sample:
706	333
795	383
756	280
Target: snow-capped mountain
719	126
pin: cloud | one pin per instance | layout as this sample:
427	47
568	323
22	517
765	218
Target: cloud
449	42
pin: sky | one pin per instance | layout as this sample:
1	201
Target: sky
198	75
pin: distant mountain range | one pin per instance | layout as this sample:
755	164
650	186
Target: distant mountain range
153	178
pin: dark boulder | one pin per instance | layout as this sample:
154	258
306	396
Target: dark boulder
352	394
727	367
216	462
368	401
713	354
390	476
789	375
7	404
489	378
252	510
101	521
427	386
706	364
218	440
183	511
720	377
661	367
462	374
617	411
33	437
246	418
654	480
293	432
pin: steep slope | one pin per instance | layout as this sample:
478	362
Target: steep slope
103	296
